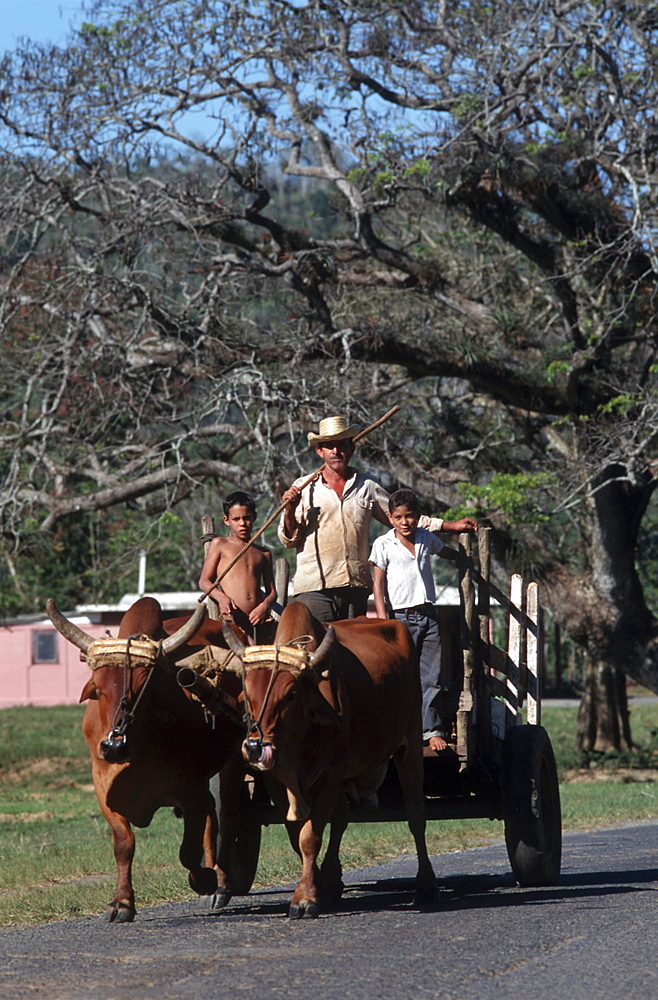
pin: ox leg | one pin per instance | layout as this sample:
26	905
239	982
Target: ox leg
210	840
197	809
221	895
121	909
305	901
277	793
231	805
331	868
409	763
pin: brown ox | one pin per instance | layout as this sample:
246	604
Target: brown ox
326	723
151	745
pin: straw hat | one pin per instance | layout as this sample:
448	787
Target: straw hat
332	429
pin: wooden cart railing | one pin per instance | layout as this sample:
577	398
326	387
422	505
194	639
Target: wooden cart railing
496	681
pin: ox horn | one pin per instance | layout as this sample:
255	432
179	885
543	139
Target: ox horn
232	640
319	654
185	632
67	628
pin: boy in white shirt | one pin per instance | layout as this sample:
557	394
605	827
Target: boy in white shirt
403	582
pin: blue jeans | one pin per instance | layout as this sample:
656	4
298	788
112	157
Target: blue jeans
423	625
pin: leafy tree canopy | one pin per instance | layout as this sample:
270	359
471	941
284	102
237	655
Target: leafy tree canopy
223	219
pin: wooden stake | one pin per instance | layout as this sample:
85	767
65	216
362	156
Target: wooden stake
465	746
208	528
532	655
514	652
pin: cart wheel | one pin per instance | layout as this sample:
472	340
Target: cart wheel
531	806
244	851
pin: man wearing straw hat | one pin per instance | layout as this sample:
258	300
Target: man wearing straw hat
327	523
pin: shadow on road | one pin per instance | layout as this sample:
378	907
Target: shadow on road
457	892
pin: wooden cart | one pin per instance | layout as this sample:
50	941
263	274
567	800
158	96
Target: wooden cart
498	767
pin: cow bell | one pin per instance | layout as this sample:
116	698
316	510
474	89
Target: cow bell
115	749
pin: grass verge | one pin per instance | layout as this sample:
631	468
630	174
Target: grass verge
56	849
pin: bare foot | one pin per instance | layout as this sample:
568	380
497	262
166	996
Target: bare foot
437	743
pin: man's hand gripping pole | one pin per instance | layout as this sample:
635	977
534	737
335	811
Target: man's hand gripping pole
314	475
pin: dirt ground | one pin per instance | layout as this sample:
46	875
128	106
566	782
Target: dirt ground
620	775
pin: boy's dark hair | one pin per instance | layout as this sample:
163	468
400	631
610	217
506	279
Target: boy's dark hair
241	499
404	498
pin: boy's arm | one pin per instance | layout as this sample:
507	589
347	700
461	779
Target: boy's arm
209	575
459	559
446	552
464	524
379	590
262	610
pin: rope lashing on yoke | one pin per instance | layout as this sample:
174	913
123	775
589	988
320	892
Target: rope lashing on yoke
135	651
291	657
201	674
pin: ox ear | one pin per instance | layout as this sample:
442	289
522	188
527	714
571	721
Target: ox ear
89	692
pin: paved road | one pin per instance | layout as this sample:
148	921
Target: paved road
594	935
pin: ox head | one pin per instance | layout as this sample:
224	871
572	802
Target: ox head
122	668
283	703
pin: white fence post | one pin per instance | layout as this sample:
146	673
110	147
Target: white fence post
514	649
532	654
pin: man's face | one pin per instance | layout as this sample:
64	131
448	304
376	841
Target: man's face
336	455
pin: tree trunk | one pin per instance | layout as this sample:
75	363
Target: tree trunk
603	720
604	610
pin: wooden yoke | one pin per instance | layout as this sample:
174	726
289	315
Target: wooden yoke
309	479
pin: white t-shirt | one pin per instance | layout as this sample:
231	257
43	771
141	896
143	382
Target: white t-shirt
409	579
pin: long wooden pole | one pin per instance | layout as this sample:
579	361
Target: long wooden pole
309	479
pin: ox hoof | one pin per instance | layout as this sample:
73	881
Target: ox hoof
426	899
332	894
220	899
203	881
305	908
119	913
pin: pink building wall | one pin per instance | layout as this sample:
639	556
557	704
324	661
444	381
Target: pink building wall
23	682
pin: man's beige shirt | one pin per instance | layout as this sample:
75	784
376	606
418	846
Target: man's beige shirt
332	533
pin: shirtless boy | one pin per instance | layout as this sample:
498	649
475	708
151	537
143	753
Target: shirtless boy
239	595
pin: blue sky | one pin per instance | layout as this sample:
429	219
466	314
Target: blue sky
51	21
40	20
